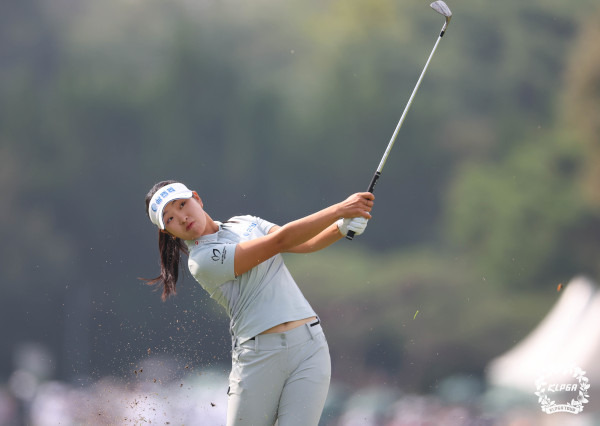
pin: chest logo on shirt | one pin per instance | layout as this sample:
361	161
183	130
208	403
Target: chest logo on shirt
219	256
250	228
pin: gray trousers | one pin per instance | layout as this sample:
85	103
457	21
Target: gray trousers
280	377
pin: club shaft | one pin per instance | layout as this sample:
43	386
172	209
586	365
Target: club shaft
377	174
410	100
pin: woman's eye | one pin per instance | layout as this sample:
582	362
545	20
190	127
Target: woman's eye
182	204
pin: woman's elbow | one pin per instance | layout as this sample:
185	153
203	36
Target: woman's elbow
282	241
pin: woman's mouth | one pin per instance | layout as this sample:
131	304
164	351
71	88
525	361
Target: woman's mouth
187	228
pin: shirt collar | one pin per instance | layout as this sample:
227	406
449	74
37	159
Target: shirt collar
205	238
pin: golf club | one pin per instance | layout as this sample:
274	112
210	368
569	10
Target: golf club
440	7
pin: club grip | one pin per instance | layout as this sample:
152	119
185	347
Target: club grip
350	234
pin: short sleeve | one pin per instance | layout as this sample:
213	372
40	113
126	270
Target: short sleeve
264	225
212	264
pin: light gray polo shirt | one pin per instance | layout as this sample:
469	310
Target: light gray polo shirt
257	300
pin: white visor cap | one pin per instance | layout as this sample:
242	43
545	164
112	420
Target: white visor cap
166	194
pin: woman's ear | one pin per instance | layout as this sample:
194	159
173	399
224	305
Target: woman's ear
197	197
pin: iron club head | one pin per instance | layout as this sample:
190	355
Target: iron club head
442	8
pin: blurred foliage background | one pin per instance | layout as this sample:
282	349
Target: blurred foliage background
488	201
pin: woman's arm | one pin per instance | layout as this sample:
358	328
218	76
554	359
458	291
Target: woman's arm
294	235
325	238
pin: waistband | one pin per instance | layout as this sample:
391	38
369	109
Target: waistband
285	339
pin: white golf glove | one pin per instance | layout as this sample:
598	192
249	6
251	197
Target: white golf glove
357	224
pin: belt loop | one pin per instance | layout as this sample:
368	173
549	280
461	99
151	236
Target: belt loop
311	328
310	331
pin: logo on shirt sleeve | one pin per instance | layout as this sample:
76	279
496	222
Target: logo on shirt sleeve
218	255
250	229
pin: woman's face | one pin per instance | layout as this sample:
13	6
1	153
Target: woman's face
185	218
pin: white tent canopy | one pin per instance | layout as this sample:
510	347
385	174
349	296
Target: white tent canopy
568	335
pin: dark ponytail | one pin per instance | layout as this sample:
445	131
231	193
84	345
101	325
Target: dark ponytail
170	249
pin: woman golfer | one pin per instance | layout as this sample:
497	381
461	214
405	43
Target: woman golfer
280	359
